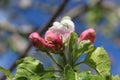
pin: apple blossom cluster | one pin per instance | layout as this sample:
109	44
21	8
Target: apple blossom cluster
57	35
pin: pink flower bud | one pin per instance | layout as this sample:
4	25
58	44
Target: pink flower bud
37	41
51	43
88	34
53	40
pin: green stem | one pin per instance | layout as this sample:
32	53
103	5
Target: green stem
64	58
54	60
79	63
62	54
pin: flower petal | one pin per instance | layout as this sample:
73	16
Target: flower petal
88	34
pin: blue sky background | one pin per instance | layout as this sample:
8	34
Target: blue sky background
38	17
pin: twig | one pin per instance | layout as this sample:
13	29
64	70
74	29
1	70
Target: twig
41	31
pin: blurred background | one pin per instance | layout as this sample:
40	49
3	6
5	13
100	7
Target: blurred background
18	18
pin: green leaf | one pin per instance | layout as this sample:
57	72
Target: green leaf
99	60
29	69
87	76
7	73
69	73
84	46
49	75
72	47
115	77
73	40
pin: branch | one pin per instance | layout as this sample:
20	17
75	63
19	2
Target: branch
41	31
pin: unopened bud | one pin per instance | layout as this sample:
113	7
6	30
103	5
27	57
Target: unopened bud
88	34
